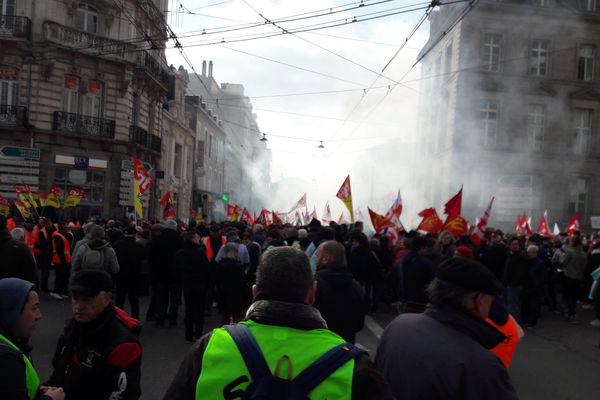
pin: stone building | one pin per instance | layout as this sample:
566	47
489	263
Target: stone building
82	91
510	107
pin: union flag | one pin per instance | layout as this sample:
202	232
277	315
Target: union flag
574	225
431	222
453	206
345	195
380	222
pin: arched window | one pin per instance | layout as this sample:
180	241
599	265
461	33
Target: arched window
87	19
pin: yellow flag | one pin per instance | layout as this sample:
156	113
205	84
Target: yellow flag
4	206
22	209
345	195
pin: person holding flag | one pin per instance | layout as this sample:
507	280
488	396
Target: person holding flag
141	184
168	209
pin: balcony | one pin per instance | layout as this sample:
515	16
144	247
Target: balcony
15	27
88	43
145	62
141	137
11	116
84	125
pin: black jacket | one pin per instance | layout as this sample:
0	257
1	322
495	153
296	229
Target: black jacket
234	292
131	256
340	300
515	273
192	264
364	264
494	258
415	273
98	360
17	260
443	354
367	383
161	256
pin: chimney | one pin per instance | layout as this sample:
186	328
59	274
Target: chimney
203	67
210	68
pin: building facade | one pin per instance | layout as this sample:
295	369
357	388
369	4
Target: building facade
82	91
510	108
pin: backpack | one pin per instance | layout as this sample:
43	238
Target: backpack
267	386
92	259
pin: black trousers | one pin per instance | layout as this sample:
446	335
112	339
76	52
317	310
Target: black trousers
531	308
130	293
168	299
571	288
194	298
61	281
44	267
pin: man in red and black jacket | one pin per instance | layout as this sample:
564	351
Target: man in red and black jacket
98	355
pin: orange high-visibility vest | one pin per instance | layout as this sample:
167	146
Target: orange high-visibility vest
37	249
209	251
507	348
30	239
66	246
10	224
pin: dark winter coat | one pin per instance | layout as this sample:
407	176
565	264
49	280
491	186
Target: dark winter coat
443	354
161	256
234	292
414	274
536	277
193	265
364	264
515	273
97	360
131	256
16	259
340	300
367	383
494	258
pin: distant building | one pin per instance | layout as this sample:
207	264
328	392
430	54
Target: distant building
510	108
247	161
82	90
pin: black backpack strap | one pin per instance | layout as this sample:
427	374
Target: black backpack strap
326	365
250	351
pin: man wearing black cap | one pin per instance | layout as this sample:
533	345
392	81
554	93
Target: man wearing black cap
98	355
443	353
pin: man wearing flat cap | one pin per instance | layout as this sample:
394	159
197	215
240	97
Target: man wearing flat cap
444	352
98	355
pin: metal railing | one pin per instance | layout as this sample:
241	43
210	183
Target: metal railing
15	27
12	115
84	125
142	138
88	42
155	143
145	61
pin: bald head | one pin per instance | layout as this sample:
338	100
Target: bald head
331	253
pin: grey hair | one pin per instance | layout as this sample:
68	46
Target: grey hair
442	293
18	234
284	274
532	247
230	252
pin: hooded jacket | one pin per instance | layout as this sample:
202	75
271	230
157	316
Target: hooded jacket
110	261
17	259
340	300
443	354
13	296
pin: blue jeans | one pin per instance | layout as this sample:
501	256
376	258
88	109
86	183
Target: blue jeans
514	298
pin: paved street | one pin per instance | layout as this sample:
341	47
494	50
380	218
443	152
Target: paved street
556	361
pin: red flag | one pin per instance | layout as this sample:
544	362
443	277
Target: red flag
453	206
168	208
195	215
380	222
525	226
301	203
276	218
262	218
574	225
396	209
327	214
519	225
543	228
345	195
246	217
479	230
431	222
457	226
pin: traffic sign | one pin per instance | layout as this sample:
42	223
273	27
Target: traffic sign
21	152
81	162
159	174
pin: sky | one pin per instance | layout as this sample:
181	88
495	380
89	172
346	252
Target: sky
353	124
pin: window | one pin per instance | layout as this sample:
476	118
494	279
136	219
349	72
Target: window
152	118
90	181
588	5
210	143
177	158
7	7
9	91
488	119
71	94
583	130
448	60
93	100
542	3
87	19
586	60
538	63
578	195
491	52
535	126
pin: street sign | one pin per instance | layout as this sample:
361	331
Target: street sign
81	162
595	222
159	174
4	178
21	152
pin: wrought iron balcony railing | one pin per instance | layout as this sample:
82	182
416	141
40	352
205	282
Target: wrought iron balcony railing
89	43
146	62
142	138
84	125
11	116
14	26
